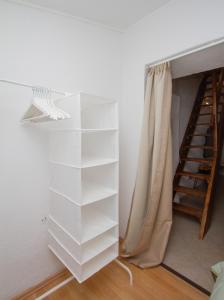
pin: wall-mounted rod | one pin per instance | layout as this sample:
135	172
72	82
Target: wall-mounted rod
30	86
188	51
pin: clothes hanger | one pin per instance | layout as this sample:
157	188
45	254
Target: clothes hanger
43	107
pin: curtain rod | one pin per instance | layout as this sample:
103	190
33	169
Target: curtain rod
186	52
31	86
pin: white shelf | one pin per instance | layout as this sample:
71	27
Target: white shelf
99	261
98	130
103	243
92	193
81	273
87	250
86	130
81	149
90	231
88	163
91	252
76	184
97	162
90	196
83	220
95	229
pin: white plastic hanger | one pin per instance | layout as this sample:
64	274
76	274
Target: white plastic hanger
43	107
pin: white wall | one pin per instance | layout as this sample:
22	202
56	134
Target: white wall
180	25
44	49
186	88
51	50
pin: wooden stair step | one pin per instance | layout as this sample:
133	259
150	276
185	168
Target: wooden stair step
202	124
200	134
206	101
194	175
206	114
190	191
199	160
198	146
188	210
206	105
210	105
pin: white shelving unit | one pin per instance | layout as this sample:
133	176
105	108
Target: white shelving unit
83	220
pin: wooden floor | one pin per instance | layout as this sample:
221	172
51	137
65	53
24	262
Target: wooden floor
112	283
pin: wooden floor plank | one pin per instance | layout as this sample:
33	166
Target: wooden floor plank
112	283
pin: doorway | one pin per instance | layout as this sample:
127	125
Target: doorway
187	255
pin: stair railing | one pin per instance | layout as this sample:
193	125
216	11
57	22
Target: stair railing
220	102
205	219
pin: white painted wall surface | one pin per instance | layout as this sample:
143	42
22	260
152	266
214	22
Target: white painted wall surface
176	27
40	48
175	129
186	88
51	50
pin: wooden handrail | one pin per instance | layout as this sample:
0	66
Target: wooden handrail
210	189
221	116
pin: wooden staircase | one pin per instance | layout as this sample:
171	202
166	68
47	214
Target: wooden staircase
203	134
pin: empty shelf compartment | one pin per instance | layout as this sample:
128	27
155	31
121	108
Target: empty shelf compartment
86	251
82	272
84	186
80	149
84	222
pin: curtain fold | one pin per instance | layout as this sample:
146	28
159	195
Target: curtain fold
150	218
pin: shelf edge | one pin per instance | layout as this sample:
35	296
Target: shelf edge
82	242
103	163
86	203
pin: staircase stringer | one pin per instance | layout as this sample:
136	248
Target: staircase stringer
217	148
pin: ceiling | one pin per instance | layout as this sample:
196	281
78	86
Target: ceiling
204	60
118	14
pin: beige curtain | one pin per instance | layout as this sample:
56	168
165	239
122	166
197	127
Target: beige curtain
151	212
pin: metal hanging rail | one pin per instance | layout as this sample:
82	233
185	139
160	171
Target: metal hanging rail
31	86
